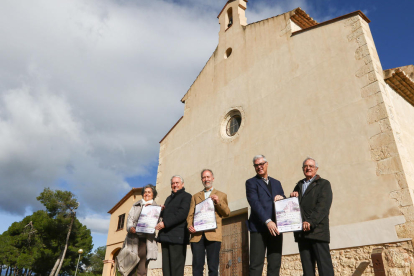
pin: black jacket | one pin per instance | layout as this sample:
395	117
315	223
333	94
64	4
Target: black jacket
174	217
314	206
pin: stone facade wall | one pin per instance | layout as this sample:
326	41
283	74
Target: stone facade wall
398	261
386	144
188	271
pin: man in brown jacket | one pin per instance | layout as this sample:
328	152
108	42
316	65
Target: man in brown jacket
210	240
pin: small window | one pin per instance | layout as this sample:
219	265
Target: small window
121	221
233	125
229	17
228	52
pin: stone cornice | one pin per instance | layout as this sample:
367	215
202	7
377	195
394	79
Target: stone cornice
399	81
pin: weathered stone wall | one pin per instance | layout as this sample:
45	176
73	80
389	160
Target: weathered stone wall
387	148
188	271
398	261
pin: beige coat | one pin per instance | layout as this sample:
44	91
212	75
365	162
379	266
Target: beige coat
222	210
128	258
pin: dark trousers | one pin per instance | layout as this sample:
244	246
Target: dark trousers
259	242
142	266
173	259
311	252
199	254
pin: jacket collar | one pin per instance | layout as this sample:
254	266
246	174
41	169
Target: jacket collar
200	194
261	182
310	187
178	192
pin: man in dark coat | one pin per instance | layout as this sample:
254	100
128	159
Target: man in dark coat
261	192
315	200
173	234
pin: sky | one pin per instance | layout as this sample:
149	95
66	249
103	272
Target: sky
89	88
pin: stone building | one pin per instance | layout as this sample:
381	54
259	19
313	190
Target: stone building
117	229
289	87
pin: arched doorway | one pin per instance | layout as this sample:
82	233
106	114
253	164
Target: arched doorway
114	253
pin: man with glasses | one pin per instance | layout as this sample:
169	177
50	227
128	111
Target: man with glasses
315	200
261	192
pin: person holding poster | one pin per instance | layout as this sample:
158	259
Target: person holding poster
173	234
140	247
210	240
261	192
315	200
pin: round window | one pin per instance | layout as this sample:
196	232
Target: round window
233	125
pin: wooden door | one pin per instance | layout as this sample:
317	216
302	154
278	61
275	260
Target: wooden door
234	254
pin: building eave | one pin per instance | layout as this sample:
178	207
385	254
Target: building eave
355	13
165	136
125	198
399	81
184	98
302	19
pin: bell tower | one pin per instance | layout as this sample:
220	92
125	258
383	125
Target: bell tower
232	15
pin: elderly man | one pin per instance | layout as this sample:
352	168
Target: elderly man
173	233
261	192
209	240
315	199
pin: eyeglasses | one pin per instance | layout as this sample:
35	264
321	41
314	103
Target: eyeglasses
308	166
259	165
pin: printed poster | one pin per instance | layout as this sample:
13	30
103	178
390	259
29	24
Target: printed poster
288	216
205	216
148	219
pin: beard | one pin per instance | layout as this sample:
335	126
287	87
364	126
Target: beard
207	184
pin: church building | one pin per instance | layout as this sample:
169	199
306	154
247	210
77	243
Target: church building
289	87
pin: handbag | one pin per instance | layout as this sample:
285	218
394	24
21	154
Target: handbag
126	260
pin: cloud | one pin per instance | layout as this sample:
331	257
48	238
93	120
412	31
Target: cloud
89	88
96	223
266	9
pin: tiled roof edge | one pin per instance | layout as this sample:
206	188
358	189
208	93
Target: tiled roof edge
302	19
402	84
360	13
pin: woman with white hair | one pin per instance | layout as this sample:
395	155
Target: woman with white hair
139	248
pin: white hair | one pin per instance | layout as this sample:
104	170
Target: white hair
258	157
310	158
179	176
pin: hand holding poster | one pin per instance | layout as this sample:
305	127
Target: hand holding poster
205	216
148	219
288	217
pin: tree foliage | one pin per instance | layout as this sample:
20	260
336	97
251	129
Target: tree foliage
35	243
58	203
95	266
